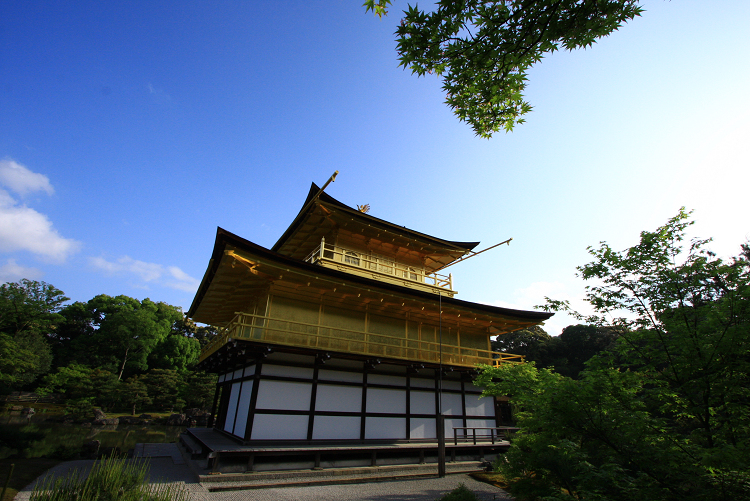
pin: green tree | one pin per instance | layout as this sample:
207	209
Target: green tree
175	352
521	342
135	394
15	362
74	381
484	49
118	333
202	333
566	353
664	415
29	314
198	393
165	387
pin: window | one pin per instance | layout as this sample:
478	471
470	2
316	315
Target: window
411	274
351	258
385	265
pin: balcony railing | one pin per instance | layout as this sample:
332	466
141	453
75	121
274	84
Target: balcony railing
378	264
272	330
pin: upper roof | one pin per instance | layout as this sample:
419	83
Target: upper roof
320	216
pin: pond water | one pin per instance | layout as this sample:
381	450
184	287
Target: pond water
39	438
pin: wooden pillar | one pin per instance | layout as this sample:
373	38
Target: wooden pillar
217	392
441	444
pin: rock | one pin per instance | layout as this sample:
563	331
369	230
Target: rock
177	420
86	425
106	421
28	410
99	414
145	416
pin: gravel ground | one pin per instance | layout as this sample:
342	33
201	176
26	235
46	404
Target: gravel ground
427	489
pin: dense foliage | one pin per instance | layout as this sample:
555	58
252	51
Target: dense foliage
116	353
29	311
664	415
484	49
567	353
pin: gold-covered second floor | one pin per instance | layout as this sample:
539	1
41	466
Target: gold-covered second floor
256	295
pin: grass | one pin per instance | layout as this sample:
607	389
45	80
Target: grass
110	479
492	478
460	493
25	472
59	410
39	408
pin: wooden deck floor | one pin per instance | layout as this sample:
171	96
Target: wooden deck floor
226	455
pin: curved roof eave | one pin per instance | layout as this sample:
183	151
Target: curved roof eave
327	199
224	237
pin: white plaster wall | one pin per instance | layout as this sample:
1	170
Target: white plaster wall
243	408
338	398
449	425
284	395
336	427
476	406
386	400
422	428
279	427
232	409
481	423
452	404
385	428
422	402
422	383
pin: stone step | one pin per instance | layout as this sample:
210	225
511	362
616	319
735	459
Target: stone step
330	476
192	447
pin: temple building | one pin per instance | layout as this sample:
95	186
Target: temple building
345	332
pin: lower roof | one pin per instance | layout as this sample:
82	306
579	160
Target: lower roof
240	269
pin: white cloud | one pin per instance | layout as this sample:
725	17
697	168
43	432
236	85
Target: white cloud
147	273
21	180
23	228
13	272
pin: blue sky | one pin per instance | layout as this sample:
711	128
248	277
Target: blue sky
130	130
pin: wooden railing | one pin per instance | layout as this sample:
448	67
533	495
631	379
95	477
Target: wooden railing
497	433
384	266
279	331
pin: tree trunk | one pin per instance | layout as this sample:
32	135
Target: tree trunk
122	367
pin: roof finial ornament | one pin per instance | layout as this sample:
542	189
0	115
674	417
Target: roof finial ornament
364	209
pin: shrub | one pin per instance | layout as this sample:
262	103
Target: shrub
460	493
